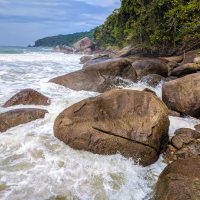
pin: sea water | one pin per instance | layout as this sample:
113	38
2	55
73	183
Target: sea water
34	165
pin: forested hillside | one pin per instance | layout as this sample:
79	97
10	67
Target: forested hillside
162	26
67	40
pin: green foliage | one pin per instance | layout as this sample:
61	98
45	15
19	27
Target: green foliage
67	40
152	24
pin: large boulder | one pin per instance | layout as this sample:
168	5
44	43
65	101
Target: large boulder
183	94
99	77
179	181
133	123
19	116
27	97
185	69
83	44
150	66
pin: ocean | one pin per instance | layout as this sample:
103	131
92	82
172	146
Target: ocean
34	165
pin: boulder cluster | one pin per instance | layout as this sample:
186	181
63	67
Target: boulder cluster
133	123
18	116
136	123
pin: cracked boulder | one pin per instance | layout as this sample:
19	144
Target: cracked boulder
19	116
99	77
130	122
179	181
27	97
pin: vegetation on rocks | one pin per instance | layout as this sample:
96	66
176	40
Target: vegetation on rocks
159	26
67	40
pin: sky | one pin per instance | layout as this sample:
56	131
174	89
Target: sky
24	21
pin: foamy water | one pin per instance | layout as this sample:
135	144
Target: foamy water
34	165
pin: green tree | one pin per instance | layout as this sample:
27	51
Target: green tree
163	26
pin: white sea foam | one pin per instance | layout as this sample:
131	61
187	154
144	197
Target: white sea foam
35	165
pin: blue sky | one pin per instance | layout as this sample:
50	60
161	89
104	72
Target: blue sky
24	21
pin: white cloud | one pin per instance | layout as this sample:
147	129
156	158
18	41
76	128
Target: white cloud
23	21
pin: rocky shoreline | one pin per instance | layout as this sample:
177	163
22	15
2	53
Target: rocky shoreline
134	123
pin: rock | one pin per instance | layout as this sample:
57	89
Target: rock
186	144
27	97
19	116
179	181
191	150
149	90
84	44
99	77
184	136
197	127
133	123
190	56
152	79
184	69
150	66
88	51
169	154
171	66
135	58
108	53
85	59
176	59
170	78
96	60
197	60
126	51
64	49
174	113
183	95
